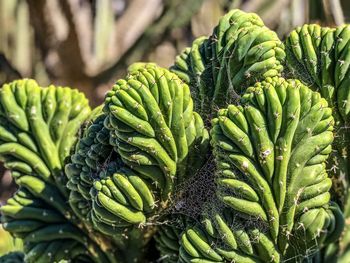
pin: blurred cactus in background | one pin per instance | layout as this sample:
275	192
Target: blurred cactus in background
8	243
88	43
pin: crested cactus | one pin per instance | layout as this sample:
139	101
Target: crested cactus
154	127
98	197
319	57
38	128
270	154
103	185
91	153
240	51
146	139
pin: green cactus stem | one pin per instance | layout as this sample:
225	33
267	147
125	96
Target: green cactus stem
240	52
270	155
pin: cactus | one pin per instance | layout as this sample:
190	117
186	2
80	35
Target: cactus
90	158
270	154
130	155
94	172
114	184
156	131
240	51
318	56
38	128
94	186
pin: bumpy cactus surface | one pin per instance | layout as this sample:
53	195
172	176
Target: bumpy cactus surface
240	51
319	56
131	154
138	174
270	155
38	128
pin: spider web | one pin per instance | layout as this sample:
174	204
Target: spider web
198	197
297	70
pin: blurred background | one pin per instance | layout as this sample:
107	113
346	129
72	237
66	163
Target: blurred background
88	44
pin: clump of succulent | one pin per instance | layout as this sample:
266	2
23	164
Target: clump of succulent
113	184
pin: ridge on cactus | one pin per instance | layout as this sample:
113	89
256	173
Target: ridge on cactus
270	119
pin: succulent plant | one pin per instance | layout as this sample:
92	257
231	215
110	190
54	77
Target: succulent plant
270	154
38	128
240	51
94	172
146	139
108	184
319	57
